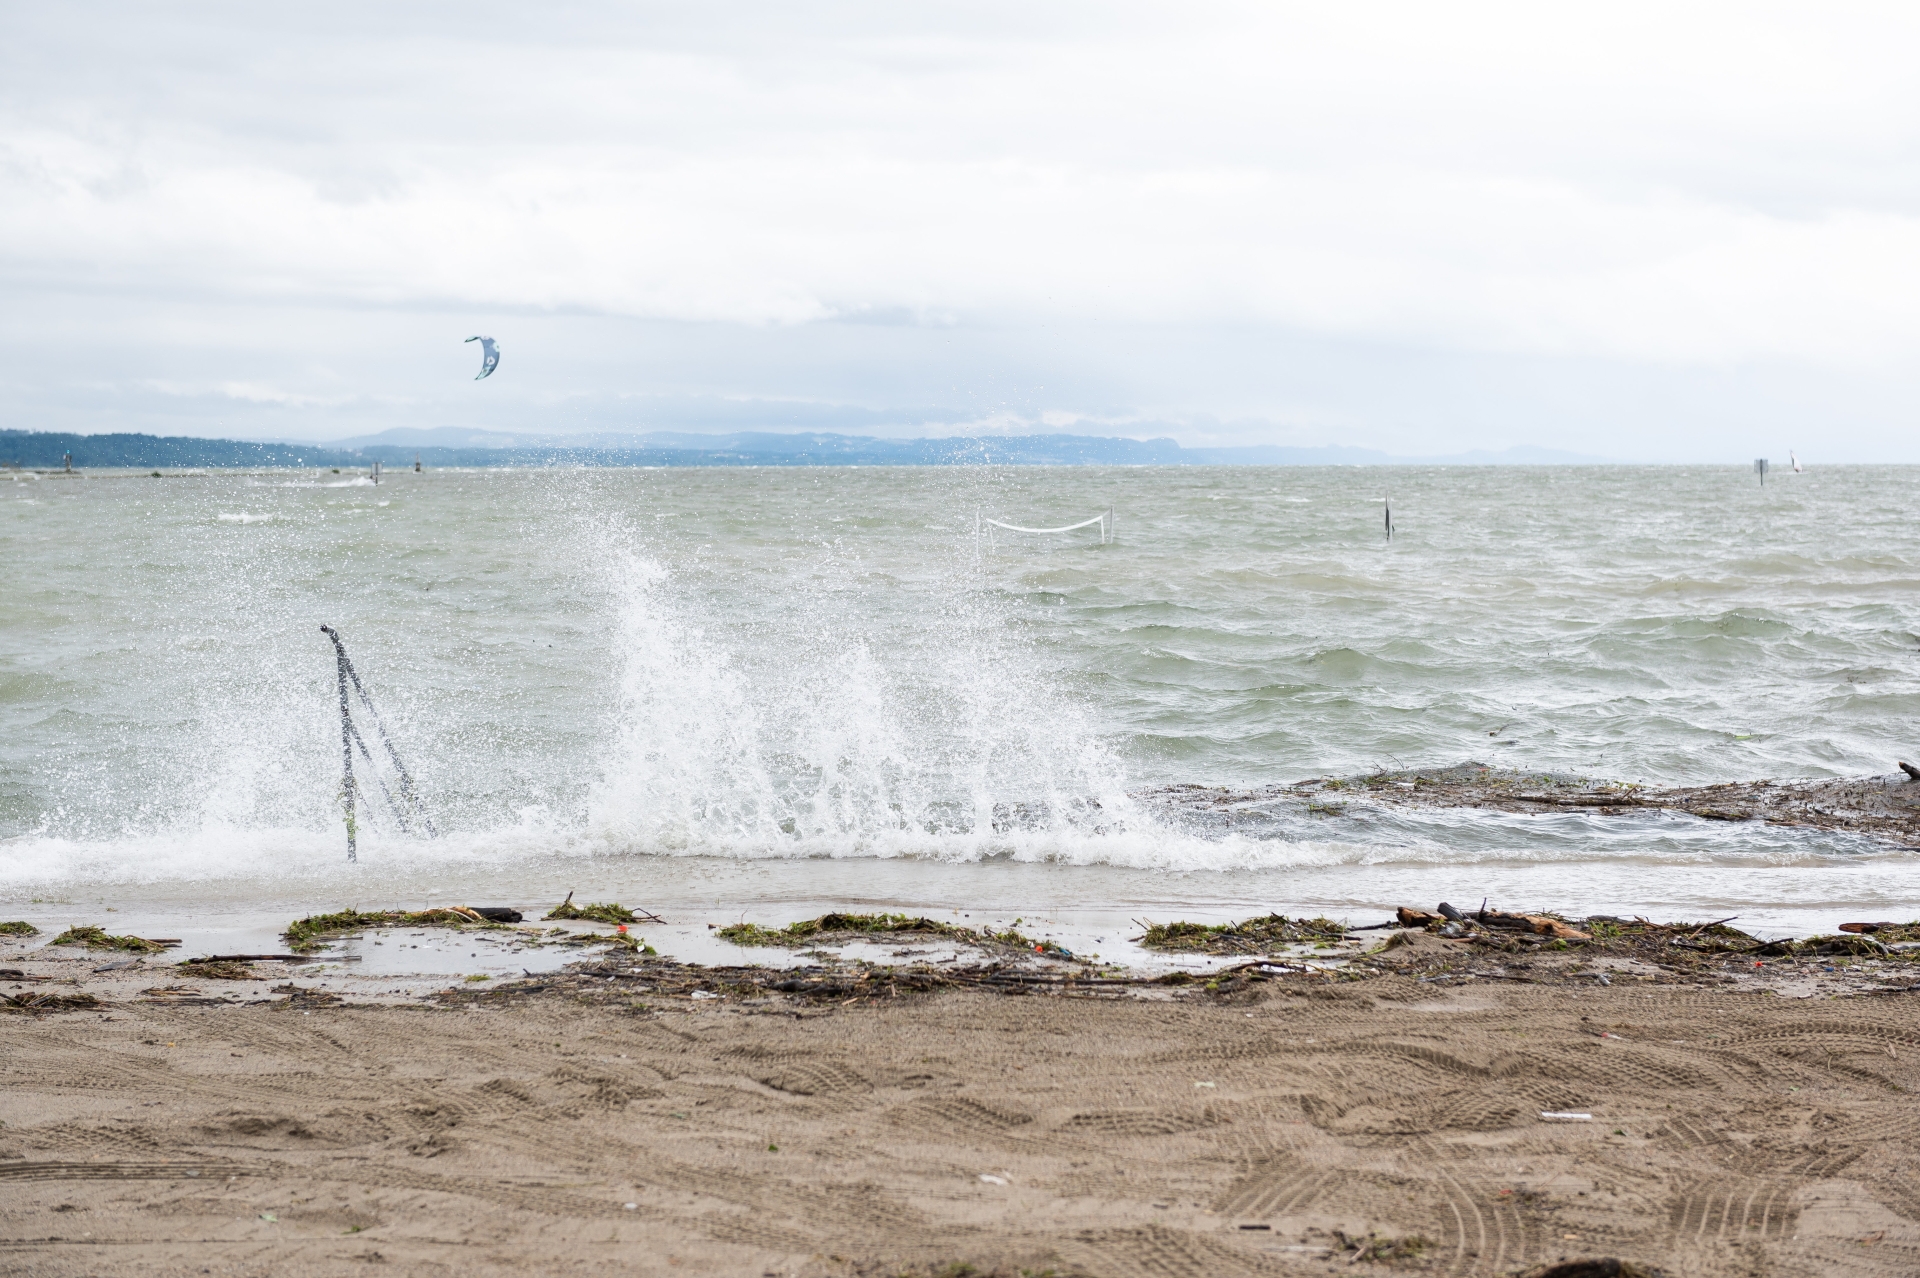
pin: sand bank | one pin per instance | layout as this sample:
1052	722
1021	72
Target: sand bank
1882	807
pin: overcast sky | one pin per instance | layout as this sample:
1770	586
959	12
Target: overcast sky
1660	231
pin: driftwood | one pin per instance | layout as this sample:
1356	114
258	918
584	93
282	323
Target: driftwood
1538	924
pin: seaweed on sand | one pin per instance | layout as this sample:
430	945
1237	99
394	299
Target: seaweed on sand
811	931
1489	944
806	931
1251	936
305	935
1374	1247
48	1002
608	912
96	938
1885	933
1691	944
18	927
217	970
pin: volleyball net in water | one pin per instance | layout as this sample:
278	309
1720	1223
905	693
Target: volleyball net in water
1104	519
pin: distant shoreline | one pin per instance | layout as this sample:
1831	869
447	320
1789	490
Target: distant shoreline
49	450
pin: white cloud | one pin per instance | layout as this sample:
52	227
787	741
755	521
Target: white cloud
1666	184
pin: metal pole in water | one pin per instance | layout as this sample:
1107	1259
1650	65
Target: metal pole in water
1389	505
346	743
1760	469
407	790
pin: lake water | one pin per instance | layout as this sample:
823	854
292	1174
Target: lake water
761	692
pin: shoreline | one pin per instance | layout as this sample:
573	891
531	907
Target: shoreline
1788	857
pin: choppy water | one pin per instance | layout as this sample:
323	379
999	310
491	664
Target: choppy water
819	685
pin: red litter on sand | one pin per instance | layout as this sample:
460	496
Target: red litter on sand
622	929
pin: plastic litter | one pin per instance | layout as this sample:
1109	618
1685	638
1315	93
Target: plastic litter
993	1180
1565	1116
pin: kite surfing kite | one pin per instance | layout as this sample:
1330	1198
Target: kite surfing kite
489	356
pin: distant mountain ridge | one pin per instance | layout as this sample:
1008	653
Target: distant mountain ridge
456	446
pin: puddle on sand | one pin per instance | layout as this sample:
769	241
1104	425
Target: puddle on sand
411	962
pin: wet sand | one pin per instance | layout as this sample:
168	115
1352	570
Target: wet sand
615	1119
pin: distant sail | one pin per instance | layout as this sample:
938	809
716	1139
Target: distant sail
489	356
1795	461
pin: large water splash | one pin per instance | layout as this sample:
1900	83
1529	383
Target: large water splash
937	736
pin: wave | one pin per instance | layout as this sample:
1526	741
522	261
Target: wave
827	738
267	861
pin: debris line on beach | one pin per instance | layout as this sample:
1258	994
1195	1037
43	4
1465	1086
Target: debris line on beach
1251	936
829	929
96	938
608	912
305	935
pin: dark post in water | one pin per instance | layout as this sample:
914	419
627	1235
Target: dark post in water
346	743
408	807
1760	469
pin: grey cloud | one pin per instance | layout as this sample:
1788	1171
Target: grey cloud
1406	227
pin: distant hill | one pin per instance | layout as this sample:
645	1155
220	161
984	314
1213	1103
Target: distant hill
454	446
44	450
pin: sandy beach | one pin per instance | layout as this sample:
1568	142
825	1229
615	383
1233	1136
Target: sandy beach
634	1115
